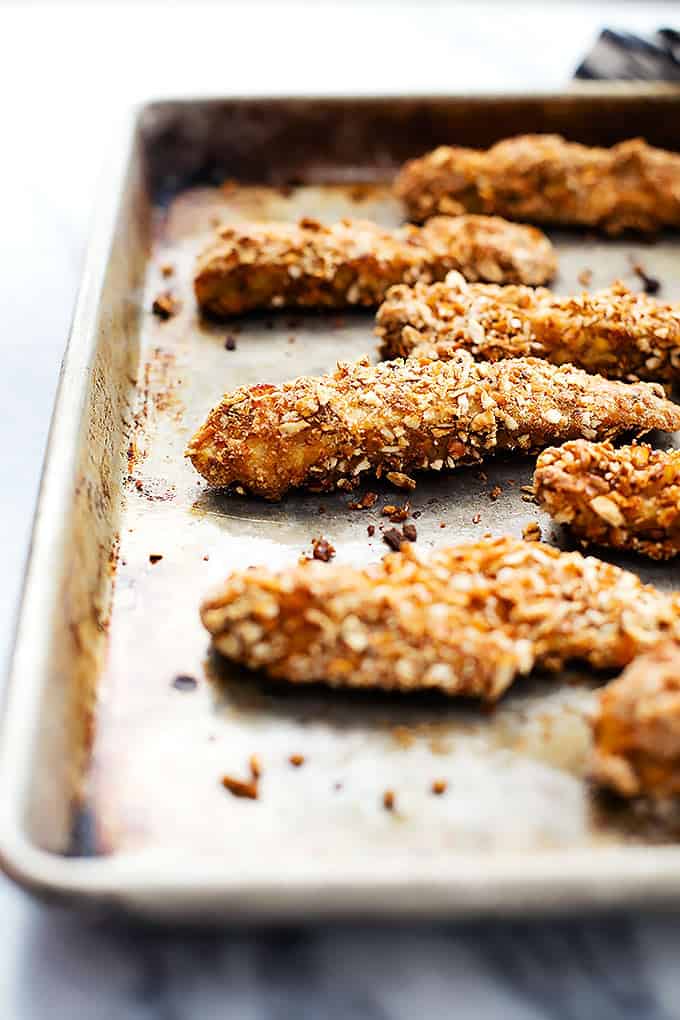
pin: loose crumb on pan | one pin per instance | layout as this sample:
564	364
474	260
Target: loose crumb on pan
476	519
368	500
439	786
371	530
247	788
531	532
184	682
650	283
322	549
165	305
410	532
230	343
585	277
296	760
167	269
389	800
495	492
396	514
394	538
155	557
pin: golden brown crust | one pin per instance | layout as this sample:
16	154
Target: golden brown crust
467	620
637	727
398	417
615	332
354	262
546	179
626	498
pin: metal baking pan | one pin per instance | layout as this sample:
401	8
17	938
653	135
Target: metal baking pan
111	773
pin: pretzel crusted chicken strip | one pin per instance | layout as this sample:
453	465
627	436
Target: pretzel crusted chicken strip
627	498
353	262
466	620
637	727
326	432
615	332
546	179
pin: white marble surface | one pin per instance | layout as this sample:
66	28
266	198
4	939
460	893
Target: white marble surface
67	73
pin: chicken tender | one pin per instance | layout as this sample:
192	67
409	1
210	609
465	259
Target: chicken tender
546	179
615	332
466	620
637	727
627	498
398	417
354	262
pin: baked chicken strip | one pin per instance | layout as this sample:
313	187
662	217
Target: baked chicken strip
637	727
546	179
626	498
615	332
354	262
326	432
466	620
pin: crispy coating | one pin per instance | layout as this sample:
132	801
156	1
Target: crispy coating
354	262
637	727
626	498
546	179
391	419
615	332
466	620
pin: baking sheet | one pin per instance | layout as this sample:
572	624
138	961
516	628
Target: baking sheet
110	774
516	775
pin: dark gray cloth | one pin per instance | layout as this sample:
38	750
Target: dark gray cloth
627	57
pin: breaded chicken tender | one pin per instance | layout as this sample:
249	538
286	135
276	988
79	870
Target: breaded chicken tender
626	498
615	332
331	431
546	179
466	620
637	727
354	262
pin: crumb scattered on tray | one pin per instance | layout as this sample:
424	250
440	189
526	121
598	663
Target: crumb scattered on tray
410	532
651	284
389	800
585	277
371	530
230	343
322	549
396	513
393	537
400	480
297	760
439	786
183	682
476	519
167	269
531	532
248	788
165	305
366	501
495	492
155	557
